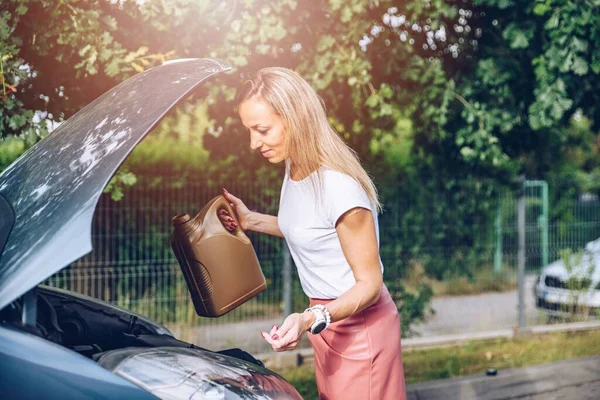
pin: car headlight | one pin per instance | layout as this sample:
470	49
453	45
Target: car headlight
182	373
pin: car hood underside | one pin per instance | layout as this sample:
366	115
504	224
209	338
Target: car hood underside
52	189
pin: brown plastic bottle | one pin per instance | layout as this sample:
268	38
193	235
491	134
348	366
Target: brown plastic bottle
220	267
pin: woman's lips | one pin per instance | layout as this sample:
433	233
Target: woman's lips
266	153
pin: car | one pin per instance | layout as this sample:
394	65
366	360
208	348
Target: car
561	290
57	344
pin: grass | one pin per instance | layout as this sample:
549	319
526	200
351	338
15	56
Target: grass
474	358
483	280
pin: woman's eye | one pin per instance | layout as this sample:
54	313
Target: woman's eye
262	132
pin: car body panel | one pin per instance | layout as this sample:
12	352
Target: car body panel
175	373
34	368
54	187
552	291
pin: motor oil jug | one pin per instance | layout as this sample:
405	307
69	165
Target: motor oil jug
220	267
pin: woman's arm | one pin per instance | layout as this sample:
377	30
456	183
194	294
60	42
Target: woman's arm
249	220
263	223
356	231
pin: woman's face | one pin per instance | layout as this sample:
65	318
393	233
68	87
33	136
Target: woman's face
267	129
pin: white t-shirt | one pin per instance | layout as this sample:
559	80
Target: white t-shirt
308	226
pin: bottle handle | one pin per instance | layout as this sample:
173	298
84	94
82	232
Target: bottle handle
222	203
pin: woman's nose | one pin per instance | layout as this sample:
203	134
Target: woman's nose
255	142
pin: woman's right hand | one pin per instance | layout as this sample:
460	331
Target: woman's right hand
242	213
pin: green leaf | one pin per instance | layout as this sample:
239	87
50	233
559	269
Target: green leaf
467	152
325	42
112	69
372	101
580	45
552	22
541	8
128	179
580	66
519	41
504	4
346	15
84	50
21	9
386	91
596	66
116	193
567	63
517	37
386	109
110	21
335	4
239	61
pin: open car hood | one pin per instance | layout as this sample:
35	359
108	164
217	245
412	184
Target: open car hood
48	196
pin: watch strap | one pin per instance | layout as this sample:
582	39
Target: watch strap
322	316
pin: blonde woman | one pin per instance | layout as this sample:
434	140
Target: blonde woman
328	216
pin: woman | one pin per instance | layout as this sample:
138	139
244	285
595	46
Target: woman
328	217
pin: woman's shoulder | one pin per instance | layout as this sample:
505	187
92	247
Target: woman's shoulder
340	183
333	176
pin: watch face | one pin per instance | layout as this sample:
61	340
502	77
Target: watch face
319	327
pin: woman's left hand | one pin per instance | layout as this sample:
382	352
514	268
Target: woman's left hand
288	335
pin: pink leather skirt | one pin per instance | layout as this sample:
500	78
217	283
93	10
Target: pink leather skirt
360	357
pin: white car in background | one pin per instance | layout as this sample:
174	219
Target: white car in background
561	290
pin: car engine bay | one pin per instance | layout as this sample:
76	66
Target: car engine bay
91	327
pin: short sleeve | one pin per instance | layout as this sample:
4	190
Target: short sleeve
342	193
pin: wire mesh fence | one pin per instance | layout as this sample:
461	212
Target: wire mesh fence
464	248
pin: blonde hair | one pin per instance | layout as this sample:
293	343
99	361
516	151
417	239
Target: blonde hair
311	141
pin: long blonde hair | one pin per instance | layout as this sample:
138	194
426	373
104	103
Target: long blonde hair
311	141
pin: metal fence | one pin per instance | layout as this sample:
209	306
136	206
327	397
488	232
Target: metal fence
470	258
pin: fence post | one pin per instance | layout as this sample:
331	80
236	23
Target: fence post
544	224
498	226
287	281
521	252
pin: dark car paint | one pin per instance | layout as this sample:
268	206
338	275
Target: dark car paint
7	220
34	368
53	188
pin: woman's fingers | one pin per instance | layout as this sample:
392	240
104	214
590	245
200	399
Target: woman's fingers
227	220
269	340
285	337
291	346
288	323
225	216
292	336
277	345
229	225
230	198
273	329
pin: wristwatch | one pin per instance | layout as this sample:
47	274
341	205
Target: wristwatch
322	318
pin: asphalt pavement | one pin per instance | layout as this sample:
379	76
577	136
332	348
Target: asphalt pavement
570	380
479	313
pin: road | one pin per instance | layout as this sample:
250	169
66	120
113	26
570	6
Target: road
479	313
577	378
587	391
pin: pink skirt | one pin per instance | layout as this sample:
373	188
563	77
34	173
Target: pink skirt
360	357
